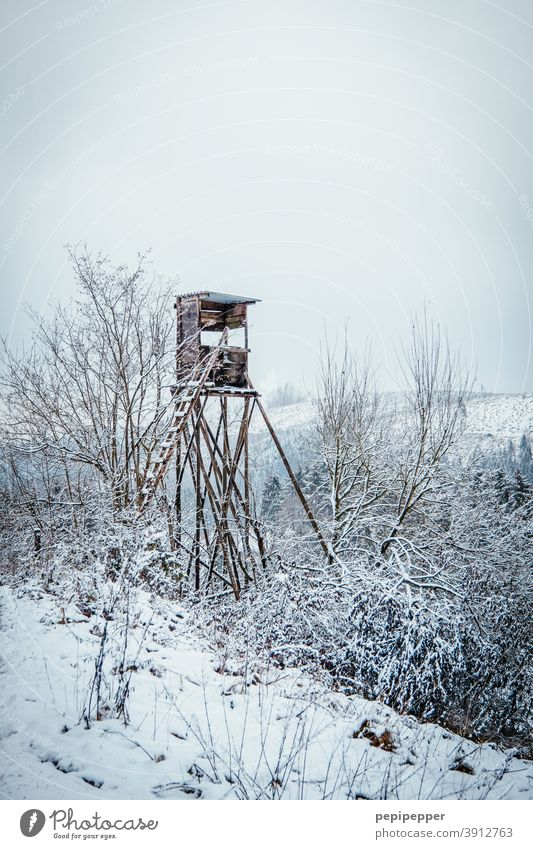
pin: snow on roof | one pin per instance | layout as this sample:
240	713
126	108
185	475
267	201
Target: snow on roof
220	297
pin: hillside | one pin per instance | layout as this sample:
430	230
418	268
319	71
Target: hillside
490	422
201	726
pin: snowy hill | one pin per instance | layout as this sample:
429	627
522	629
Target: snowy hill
201	726
491	420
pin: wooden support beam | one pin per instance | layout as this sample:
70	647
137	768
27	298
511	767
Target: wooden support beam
219	524
294	481
206	566
199	508
232	483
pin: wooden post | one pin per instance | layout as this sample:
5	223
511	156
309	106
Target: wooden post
294	481
199	507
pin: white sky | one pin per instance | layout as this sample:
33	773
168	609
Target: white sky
339	159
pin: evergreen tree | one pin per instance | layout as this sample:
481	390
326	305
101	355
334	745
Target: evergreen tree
502	485
272	498
509	457
525	458
522	491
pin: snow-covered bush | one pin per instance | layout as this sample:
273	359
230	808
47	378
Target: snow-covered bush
464	661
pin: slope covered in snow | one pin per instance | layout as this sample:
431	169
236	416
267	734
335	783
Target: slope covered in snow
491	420
201	725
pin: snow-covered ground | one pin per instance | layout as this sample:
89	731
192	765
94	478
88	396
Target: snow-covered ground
290	417
201	726
491	420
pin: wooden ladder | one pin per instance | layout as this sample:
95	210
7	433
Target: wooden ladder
185	401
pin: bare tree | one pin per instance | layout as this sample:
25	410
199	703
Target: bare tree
436	388
384	458
90	392
351	426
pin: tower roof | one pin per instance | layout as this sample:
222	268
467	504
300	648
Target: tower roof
220	297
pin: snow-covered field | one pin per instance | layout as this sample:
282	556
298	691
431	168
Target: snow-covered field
203	727
490	419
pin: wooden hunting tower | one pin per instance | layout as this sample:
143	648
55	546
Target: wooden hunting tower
216	529
202	318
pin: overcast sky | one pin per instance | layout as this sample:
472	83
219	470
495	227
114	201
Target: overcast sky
339	159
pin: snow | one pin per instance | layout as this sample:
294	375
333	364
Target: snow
210	727
206	725
285	418
491	420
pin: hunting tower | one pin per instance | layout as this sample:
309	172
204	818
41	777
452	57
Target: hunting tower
213	400
202	319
